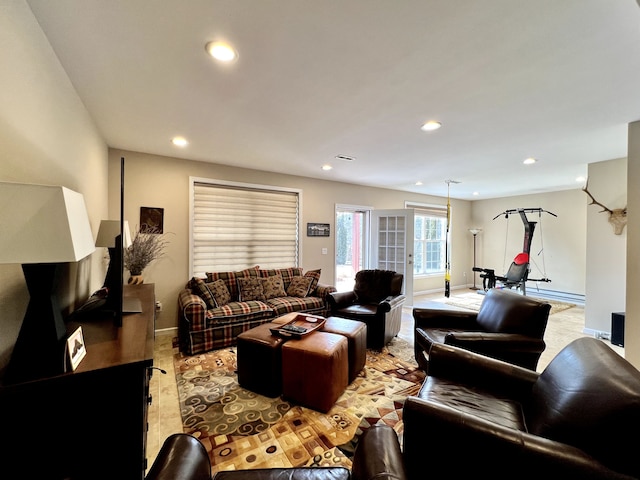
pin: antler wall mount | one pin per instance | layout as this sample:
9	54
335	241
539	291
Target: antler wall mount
617	216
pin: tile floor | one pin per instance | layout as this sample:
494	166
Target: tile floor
164	412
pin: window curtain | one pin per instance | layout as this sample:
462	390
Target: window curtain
237	227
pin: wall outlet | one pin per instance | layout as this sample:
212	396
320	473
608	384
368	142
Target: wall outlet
325	251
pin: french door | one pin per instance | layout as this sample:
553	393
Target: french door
392	244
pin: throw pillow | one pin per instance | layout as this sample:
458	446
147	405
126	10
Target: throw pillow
299	286
273	287
315	278
250	289
200	288
220	292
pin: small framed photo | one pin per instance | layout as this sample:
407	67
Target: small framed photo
76	348
318	229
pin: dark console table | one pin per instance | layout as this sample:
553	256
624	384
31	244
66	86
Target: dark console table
90	423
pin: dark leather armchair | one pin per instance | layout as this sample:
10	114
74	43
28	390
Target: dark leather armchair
376	300
508	326
478	417
377	456
182	457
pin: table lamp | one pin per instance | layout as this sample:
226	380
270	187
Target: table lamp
43	227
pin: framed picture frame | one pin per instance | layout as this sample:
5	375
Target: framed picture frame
318	229
76	348
151	220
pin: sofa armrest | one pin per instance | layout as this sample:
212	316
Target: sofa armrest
445	318
464	366
378	455
341	299
193	309
181	456
467	446
323	291
488	342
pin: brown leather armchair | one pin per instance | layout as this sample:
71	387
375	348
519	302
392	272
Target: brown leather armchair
508	326
376	300
478	417
377	456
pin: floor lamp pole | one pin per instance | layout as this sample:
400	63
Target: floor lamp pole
474	232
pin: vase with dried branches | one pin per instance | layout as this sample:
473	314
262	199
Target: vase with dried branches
146	247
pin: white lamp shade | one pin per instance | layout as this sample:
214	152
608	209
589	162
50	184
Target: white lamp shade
109	230
43	224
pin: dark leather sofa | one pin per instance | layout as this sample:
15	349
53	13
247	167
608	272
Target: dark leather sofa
508	326
478	417
376	300
377	457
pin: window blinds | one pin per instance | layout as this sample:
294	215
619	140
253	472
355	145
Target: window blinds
238	227
428	210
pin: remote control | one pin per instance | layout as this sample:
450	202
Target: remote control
294	329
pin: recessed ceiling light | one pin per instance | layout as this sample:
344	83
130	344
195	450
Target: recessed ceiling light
580	179
475	194
529	161
430	126
418	183
179	141
221	51
326	167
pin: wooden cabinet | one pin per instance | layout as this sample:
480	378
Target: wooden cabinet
90	423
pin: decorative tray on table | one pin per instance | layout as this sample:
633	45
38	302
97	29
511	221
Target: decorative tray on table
303	324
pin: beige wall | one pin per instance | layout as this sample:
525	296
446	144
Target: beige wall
606	252
562	237
154	181
46	137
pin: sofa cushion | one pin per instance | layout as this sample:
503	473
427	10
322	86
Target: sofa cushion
286	273
273	287
589	396
474	401
220	292
250	288
231	279
200	288
282	305
299	286
315	278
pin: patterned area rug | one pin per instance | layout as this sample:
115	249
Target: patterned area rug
473	300
241	429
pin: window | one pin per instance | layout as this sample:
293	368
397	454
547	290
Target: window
235	226
430	236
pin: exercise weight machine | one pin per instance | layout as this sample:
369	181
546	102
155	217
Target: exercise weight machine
518	273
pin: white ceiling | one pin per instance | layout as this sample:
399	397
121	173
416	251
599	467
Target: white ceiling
558	80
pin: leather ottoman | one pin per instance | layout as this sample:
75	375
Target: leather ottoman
356	334
315	370
260	360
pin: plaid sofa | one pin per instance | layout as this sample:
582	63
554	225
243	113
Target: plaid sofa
202	328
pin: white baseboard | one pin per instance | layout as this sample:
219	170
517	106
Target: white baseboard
167	331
